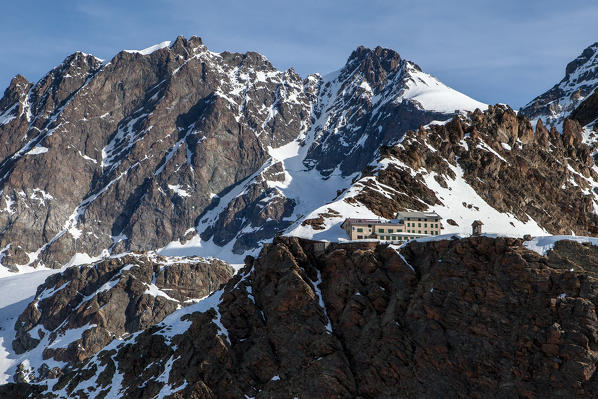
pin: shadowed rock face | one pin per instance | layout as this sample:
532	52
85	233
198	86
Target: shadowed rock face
79	311
587	112
469	318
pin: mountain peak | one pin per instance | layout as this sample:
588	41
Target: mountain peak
587	58
181	45
17	82
379	57
580	81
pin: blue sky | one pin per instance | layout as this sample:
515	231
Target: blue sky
495	51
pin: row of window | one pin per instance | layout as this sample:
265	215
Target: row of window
389	238
421	219
432	232
399	238
381	230
420	225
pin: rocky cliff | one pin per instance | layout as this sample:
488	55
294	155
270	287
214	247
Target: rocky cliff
587	112
458	318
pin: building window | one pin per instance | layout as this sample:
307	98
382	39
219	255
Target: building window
425	224
425	231
419	225
380	230
359	237
359	230
390	230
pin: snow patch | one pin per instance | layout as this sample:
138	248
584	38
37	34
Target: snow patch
150	49
37	150
542	245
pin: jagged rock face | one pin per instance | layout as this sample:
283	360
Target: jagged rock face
108	157
79	311
580	81
126	155
477	317
546	176
259	205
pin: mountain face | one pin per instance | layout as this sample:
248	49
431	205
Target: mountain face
102	157
372	101
179	145
580	82
475	317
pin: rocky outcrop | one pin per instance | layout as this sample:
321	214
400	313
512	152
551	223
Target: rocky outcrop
257	214
477	317
546	176
79	311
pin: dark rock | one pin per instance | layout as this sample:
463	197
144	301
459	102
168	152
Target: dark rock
476	317
110	299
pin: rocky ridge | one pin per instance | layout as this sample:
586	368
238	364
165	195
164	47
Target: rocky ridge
476	317
79	311
490	166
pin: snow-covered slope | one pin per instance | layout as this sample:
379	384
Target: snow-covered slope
433	95
80	309
17	292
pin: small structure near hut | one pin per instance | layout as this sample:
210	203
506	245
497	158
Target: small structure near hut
476	228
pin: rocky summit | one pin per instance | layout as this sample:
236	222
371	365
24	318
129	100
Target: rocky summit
457	318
